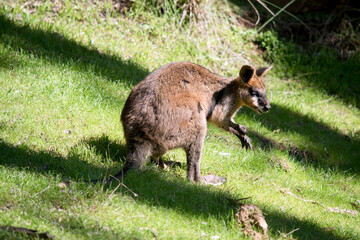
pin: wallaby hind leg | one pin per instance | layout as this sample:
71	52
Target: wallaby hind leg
136	157
193	155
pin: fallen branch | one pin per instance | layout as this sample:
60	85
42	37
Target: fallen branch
29	232
285	191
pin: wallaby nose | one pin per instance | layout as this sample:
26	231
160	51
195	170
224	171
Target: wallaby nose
267	107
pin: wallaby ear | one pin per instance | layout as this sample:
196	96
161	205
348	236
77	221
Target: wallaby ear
246	73
262	71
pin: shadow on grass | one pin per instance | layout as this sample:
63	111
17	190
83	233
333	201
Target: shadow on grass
323	146
322	70
154	188
158	190
54	46
106	148
310	60
46	162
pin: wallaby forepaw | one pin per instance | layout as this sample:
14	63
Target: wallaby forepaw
242	130
246	142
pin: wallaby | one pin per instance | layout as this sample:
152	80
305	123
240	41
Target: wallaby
170	109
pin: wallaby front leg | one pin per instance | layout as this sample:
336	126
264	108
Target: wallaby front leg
240	131
245	140
239	128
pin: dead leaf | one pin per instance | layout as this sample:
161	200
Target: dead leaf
64	184
30	232
250	215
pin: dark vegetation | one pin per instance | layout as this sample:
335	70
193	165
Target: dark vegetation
317	44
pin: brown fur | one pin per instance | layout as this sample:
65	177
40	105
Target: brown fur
170	109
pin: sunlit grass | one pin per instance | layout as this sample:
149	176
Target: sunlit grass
64	77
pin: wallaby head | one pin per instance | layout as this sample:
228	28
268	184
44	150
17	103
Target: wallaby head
253	93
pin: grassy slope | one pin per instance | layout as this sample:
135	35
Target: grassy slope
64	77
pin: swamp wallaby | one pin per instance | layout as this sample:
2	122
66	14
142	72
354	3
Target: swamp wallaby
170	109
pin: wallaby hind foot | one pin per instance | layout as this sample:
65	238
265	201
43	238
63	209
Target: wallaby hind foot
160	162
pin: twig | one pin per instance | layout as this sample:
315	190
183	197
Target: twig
291	232
183	17
22	141
273	17
290	14
305	74
247	21
257	12
324	101
285	191
140	9
21	191
266	7
121	184
38	193
241	199
237	201
295	93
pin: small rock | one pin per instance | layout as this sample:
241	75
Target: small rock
67	131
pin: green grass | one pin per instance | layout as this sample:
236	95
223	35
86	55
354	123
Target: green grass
64	76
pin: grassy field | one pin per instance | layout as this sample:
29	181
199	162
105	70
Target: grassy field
66	70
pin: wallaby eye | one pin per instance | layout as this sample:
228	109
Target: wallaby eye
254	93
